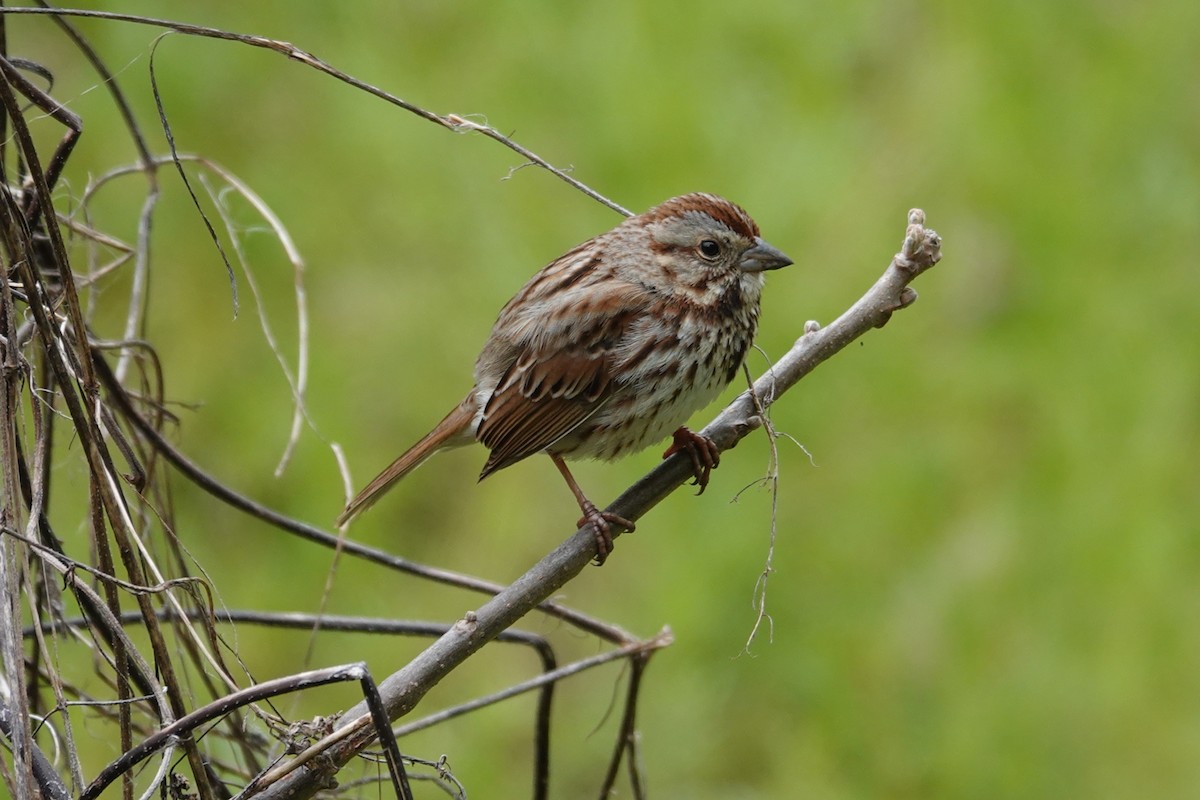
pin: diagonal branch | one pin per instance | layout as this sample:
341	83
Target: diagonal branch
402	690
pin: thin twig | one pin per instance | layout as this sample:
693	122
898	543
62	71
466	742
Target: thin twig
49	784
187	184
663	639
626	746
219	708
759	602
453	122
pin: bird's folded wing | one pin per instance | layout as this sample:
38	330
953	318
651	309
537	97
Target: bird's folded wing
552	386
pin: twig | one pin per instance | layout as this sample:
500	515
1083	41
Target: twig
759	602
626	746
49	784
219	708
453	122
187	184
641	649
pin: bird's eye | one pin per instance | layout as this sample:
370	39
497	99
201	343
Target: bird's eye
710	249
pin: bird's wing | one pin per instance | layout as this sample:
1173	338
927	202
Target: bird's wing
556	376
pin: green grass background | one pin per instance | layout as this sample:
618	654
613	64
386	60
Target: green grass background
986	575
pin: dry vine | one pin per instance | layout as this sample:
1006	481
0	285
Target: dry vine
56	372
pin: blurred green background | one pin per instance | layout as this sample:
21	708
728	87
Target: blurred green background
986	576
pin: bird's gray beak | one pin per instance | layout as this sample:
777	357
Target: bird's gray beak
762	257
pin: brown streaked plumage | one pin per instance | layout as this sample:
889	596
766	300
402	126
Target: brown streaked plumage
610	348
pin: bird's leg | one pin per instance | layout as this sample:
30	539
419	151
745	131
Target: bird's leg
601	521
704	453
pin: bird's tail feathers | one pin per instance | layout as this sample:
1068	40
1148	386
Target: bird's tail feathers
453	431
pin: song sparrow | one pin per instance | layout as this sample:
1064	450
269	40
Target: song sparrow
610	347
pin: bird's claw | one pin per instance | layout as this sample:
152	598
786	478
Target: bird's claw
601	523
705	454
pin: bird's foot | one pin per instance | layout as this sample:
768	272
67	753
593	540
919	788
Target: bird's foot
601	523
705	454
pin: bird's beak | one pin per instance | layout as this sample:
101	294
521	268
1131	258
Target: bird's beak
762	257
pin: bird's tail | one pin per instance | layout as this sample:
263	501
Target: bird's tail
453	431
